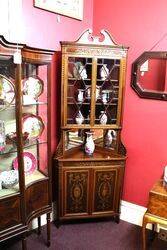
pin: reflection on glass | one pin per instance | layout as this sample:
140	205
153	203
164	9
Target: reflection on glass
79	89
75	138
101	138
152	75
7	92
108	88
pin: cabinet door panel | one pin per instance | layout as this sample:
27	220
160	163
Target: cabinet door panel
36	197
105	181
76	192
9	213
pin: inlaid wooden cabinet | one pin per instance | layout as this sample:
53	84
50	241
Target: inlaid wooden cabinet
25	144
93	75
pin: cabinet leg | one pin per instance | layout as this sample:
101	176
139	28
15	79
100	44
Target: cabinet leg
24	243
152	234
117	219
57	223
39	225
144	233
48	230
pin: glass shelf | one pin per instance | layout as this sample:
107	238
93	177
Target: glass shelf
10	148
36	176
36	103
97	103
76	79
29	179
107	79
25	105
8	191
34	143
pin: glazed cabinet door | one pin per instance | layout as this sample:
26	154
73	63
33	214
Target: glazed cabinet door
77	90
75	194
105	188
108	91
10	177
36	142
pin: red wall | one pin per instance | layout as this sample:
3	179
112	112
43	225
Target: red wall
42	30
139	25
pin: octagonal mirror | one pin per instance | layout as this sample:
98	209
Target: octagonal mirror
149	75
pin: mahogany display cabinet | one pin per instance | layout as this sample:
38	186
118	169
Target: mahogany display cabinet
25	158
90	180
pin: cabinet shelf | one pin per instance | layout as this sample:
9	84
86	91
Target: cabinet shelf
10	148
101	64
78	79
8	192
13	106
97	103
29	179
34	104
108	80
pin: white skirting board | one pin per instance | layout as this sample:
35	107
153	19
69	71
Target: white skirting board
132	213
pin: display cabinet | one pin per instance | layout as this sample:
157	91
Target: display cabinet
25	158
90	157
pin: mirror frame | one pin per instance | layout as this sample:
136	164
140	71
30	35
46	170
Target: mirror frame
145	93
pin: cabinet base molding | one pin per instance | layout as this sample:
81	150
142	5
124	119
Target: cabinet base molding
18	230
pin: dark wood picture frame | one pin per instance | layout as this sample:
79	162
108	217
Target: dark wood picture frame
146	93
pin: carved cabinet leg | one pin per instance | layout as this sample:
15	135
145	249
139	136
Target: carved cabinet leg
48	229
39	225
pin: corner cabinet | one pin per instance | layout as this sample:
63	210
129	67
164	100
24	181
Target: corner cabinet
25	158
90	180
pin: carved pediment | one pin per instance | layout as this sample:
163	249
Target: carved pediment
104	39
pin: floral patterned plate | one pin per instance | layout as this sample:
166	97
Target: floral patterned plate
33	125
30	163
7	92
32	86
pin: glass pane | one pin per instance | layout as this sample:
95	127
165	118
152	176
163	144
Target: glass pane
35	121
31	161
107	88
79	90
34	84
9	178
102	138
75	138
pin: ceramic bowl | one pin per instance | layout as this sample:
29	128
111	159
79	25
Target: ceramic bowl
12	138
9	178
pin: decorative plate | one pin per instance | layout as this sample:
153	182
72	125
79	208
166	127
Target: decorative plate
33	125
30	163
32	86
7	92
